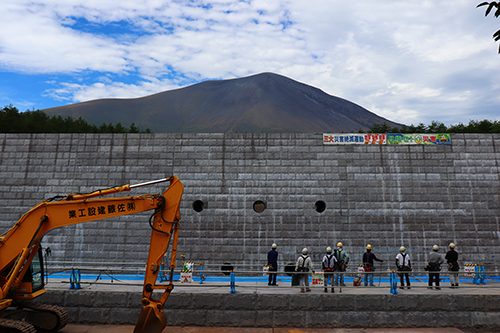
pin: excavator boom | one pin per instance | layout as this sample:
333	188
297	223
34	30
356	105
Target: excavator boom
20	245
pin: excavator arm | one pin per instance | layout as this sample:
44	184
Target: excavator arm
20	244
165	228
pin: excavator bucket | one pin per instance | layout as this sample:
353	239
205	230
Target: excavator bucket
151	320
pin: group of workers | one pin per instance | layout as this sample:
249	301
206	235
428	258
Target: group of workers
335	262
435	260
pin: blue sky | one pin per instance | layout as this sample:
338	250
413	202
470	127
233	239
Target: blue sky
408	61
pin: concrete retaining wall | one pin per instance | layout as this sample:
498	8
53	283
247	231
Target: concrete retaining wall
288	310
388	196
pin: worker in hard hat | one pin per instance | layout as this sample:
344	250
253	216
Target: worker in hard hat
328	267
452	260
403	264
434	266
342	261
368	259
302	267
272	263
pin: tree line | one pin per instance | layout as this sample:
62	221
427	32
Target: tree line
474	126
13	121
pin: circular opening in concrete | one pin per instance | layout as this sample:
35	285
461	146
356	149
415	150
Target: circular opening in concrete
320	206
226	268
198	205
259	206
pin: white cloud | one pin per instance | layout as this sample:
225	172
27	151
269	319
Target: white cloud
410	90
398	59
107	89
32	40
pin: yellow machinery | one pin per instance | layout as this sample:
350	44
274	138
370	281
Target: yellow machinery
21	266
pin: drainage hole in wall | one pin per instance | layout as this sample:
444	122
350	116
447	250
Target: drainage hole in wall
198	205
259	206
320	206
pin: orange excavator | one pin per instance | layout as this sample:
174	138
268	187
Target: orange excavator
22	269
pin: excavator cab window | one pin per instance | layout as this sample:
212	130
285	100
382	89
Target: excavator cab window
35	273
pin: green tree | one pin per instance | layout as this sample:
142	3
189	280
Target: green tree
458	128
10	120
496	35
436	127
495	128
133	129
379	128
118	128
420	128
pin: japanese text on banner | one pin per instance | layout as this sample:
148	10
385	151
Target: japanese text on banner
387	139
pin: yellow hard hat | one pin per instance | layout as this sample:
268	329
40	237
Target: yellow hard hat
368	247
402	249
339	244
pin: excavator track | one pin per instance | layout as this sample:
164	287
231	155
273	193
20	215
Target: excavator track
16	326
58	311
41	316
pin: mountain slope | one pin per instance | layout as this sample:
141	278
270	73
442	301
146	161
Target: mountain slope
260	103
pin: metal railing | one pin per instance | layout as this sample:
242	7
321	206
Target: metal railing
222	274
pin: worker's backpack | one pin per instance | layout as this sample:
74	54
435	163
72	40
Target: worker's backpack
327	266
303	268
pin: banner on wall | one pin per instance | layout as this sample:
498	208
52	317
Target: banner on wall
387	139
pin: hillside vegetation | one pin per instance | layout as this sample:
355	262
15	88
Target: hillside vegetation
474	126
13	121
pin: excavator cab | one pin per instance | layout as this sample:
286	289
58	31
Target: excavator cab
32	284
23	315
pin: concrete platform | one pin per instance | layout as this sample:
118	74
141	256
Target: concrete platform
257	305
72	328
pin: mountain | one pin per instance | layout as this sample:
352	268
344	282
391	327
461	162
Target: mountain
266	102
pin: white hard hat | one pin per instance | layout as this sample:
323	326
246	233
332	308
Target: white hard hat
452	245
274	246
305	250
402	249
328	250
435	247
339	244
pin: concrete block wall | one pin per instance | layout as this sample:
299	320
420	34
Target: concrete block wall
286	310
388	196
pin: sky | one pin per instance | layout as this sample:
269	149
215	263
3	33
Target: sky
408	61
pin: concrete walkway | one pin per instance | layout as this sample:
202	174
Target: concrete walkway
129	329
418	286
257	307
